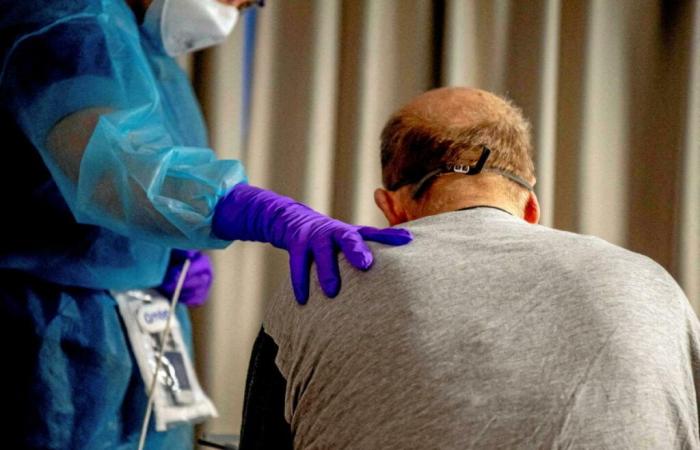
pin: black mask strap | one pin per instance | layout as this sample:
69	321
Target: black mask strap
475	169
427	180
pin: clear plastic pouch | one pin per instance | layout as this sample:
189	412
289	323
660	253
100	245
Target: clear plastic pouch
178	396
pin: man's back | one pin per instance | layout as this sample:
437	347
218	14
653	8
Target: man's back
489	332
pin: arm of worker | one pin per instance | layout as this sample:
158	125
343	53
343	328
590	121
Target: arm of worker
85	94
87	97
264	425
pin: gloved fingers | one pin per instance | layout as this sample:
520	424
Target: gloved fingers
192	284
299	267
194	297
195	288
355	250
390	236
326	259
197	280
200	264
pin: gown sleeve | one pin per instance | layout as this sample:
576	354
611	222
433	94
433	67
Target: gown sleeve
85	94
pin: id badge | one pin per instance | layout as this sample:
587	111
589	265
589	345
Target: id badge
178	395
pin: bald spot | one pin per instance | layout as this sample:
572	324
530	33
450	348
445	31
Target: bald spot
456	107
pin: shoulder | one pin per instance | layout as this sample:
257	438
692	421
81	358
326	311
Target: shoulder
610	274
609	256
34	20
37	16
551	259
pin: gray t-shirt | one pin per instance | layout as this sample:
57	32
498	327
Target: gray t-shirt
489	332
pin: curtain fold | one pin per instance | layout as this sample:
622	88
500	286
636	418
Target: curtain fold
612	89
687	246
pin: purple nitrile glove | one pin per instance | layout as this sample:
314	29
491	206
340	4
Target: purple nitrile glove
198	280
252	214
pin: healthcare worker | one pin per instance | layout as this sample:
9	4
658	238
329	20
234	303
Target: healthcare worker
105	169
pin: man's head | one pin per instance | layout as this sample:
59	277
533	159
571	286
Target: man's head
449	127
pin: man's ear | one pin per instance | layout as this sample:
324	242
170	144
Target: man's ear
389	203
531	213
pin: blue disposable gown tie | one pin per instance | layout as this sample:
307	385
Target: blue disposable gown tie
105	168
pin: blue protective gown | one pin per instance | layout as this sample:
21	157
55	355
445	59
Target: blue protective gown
88	214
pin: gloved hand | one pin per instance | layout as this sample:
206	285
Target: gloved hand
253	214
198	280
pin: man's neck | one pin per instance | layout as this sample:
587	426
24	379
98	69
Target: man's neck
449	204
468	208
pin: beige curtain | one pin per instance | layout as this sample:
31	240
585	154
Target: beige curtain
612	88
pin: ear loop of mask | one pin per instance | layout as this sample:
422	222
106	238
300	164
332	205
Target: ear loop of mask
512	177
475	169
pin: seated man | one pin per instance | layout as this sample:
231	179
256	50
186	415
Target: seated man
489	331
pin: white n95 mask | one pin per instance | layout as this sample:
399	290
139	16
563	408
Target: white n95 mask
190	25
